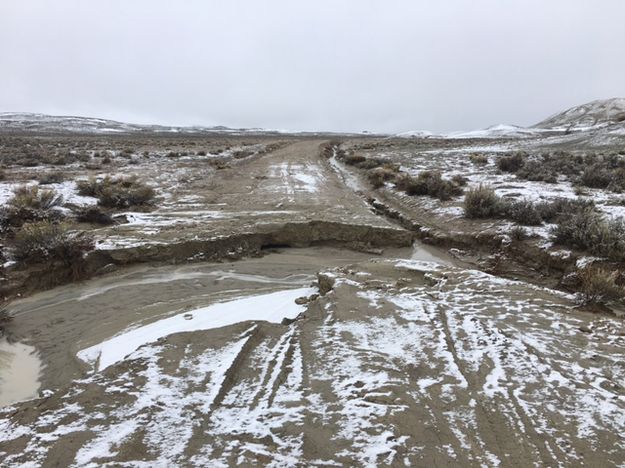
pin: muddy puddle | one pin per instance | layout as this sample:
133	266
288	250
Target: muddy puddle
427	253
61	322
19	372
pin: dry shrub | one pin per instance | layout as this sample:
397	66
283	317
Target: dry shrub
32	198
379	175
511	163
537	171
29	203
596	176
43	241
598	285
518	233
483	202
352	159
428	183
563	207
590	231
121	192
92	215
523	212
51	178
478	158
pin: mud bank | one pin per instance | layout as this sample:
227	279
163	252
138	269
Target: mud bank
356	237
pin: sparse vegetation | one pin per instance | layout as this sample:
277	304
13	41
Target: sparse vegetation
44	240
596	176
599	285
591	170
30	203
352	159
428	183
478	158
536	171
121	192
558	208
523	212
588	230
93	215
518	233
31	197
379	175
51	178
511	163
483	202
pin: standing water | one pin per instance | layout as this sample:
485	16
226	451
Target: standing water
19	372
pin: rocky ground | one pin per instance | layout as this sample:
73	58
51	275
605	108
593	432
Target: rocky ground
273	307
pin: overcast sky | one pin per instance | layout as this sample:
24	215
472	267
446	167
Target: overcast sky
312	65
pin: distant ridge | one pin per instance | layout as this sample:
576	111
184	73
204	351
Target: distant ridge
43	123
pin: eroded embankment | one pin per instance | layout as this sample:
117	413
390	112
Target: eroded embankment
487	249
357	237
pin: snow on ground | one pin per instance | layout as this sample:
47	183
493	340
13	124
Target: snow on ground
67	189
289	179
402	363
455	161
272	307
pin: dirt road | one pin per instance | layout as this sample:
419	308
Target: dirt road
392	362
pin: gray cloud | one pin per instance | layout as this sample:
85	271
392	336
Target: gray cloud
349	65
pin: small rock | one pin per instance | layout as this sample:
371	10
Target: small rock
585	329
326	283
301	300
188	316
109	268
287	321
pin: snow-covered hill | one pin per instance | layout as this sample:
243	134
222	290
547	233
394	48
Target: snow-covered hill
597	123
603	112
497	131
